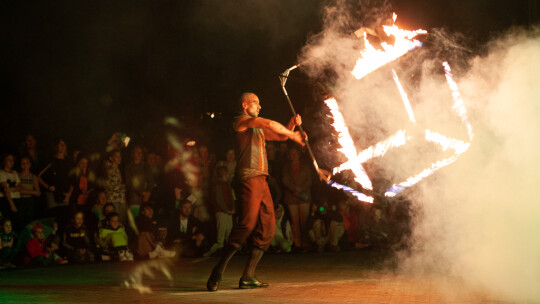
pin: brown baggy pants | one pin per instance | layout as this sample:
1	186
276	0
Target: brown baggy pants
256	214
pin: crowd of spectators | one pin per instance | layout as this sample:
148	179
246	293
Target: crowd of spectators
129	202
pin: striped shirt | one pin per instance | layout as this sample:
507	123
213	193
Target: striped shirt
251	153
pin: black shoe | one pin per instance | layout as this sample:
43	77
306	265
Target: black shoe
251	283
213	282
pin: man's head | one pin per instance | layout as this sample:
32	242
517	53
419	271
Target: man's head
250	104
137	154
185	208
147	210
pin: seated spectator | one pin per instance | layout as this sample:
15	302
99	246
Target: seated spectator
282	241
114	240
29	189
151	235
223	197
41	252
99	204
7	236
139	181
186	232
9	194
77	240
107	208
326	228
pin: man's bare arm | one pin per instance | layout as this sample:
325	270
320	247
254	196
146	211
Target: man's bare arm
275	130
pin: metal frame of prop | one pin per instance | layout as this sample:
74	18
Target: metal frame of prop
323	174
283	78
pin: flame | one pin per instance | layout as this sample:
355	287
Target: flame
347	147
371	58
404	97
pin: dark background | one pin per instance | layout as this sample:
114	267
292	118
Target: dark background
85	69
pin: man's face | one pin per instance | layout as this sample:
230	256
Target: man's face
30	142
109	209
252	106
148	212
185	210
137	155
102	198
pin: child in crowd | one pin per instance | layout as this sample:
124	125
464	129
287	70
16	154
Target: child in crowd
9	193
107	208
282	241
99	203
29	189
151	235
41	252
224	206
76	240
114	240
6	243
327	226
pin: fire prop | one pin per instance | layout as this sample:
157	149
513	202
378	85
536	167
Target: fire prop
370	60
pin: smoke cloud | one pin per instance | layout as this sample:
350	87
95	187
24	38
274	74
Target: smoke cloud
478	218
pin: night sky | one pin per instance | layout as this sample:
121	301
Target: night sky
84	69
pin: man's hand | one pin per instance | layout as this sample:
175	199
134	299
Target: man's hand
297	137
295	120
324	175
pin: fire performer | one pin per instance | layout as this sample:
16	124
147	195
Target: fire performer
256	206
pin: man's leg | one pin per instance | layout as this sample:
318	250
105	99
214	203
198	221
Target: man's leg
264	233
250	198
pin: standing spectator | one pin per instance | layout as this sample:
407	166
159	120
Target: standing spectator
29	193
55	179
113	238
229	163
155	163
82	181
224	208
29	149
114	186
9	196
296	178
77	240
139	181
7	236
151	235
186	232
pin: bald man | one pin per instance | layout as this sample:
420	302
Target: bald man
256	216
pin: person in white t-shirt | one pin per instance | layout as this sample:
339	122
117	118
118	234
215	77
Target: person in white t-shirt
9	180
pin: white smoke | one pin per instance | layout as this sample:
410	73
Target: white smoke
478	218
